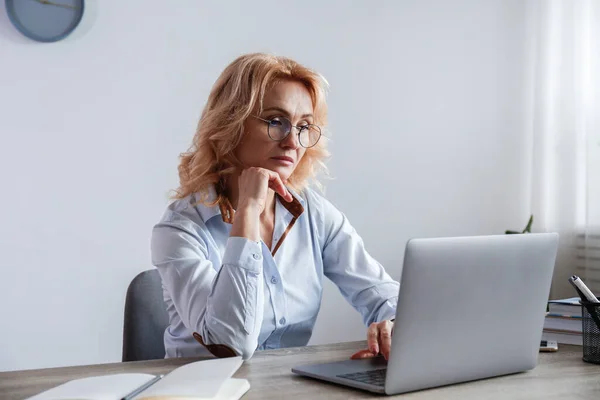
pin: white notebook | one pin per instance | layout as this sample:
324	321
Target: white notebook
208	379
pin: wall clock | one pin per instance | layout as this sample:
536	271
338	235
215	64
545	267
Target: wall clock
45	20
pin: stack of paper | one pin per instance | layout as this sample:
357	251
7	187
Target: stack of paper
208	379
563	322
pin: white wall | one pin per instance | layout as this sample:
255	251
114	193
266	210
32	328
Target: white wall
426	103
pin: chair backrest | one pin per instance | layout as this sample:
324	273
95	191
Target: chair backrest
146	318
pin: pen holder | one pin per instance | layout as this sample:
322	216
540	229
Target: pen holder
591	332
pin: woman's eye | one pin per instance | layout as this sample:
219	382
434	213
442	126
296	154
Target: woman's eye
275	122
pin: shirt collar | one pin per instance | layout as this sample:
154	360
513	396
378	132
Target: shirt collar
226	211
207	212
296	206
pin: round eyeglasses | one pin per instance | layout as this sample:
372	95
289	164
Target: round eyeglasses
278	128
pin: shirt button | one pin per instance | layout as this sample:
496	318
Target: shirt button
282	321
273	280
256	256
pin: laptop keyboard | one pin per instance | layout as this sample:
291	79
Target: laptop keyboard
374	377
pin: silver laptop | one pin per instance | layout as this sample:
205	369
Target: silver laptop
468	308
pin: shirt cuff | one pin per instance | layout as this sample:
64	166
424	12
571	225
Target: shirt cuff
389	312
243	253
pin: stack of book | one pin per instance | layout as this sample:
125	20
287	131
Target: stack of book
563	321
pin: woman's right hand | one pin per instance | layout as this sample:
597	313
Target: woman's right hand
253	186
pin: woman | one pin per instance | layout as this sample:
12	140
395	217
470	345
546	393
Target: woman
243	249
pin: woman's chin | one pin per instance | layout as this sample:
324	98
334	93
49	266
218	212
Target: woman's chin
284	172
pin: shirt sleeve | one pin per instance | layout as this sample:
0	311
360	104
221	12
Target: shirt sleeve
360	278
223	305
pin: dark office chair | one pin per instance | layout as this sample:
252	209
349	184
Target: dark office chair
146	318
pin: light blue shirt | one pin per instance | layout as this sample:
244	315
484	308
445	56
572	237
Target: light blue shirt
233	291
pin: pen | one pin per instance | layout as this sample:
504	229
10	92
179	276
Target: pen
582	289
142	388
586	297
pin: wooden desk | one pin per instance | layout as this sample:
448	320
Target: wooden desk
560	375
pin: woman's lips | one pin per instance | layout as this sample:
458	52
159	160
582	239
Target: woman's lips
284	160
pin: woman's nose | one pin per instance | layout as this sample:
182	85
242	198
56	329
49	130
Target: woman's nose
292	140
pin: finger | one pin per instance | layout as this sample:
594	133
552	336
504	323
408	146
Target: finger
373	338
359	355
385	338
277	185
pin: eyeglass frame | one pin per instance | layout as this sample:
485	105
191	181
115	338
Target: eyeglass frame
299	128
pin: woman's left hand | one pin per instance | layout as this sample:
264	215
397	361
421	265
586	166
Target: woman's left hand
379	340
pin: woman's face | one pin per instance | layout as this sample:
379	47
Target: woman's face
286	99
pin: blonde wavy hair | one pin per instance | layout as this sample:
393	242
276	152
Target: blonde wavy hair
234	96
